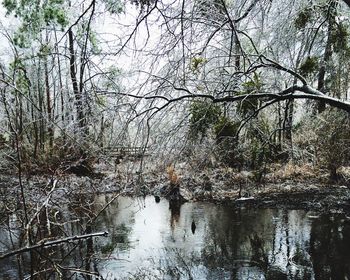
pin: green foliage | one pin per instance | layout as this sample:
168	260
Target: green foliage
21	80
85	30
108	248
258	154
101	101
204	115
54	15
339	37
94	42
196	62
112	79
257	148
142	3
113	6
34	16
309	66
16	64
10	5
44	50
226	128
252	86
303	18
210	9
226	132
20	39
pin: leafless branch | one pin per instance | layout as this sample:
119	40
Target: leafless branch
52	243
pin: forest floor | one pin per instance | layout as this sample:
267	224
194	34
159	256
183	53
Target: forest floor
287	186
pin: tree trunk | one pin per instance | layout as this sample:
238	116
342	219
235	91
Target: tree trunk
321	86
49	107
333	175
73	75
60	84
40	110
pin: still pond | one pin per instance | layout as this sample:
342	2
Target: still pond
151	239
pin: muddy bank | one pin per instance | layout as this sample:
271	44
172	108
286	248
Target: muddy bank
288	186
288	195
219	186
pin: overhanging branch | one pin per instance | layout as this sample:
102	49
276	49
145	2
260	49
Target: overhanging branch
293	92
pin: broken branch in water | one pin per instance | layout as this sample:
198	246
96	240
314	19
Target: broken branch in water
52	243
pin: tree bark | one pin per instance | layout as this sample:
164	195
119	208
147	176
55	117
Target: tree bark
49	107
321	86
73	75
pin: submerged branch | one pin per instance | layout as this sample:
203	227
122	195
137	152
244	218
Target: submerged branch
52	243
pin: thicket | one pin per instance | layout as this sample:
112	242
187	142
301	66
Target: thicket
333	141
322	140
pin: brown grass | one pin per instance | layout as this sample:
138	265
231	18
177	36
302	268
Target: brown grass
173	177
296	172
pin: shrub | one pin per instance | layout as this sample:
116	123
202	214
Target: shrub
333	140
204	115
225	128
309	66
227	141
248	106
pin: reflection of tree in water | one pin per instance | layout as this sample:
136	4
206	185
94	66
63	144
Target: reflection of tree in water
71	260
118	238
193	227
82	255
40	259
230	238
239	243
118	233
256	242
276	246
35	262
259	256
329	248
175	209
54	221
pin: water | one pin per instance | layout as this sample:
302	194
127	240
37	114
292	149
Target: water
196	240
207	241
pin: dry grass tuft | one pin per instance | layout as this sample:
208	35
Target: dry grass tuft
344	173
292	171
173	177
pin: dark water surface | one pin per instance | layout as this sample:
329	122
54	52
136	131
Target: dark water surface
208	241
196	240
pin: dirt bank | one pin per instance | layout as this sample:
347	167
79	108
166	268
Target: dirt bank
298	190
